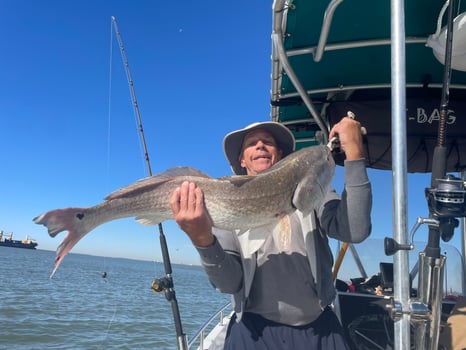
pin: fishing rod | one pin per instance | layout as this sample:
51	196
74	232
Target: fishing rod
165	283
445	200
439	160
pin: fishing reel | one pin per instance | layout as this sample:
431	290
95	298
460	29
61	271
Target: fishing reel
448	199
161	284
447	202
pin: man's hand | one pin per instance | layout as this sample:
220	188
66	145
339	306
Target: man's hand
349	133
187	203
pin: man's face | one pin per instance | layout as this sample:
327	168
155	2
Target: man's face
259	152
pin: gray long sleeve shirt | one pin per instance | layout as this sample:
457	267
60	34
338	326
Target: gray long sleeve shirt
232	269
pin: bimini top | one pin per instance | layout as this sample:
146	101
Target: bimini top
331	57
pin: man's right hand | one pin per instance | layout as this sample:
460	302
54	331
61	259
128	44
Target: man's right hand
189	211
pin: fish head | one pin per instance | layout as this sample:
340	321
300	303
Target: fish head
315	180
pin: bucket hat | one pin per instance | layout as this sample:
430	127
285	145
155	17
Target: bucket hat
233	142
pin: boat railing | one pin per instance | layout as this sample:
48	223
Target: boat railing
200	335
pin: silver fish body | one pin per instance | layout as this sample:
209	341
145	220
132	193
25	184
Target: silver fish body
299	181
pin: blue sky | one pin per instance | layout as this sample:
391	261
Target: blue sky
67	125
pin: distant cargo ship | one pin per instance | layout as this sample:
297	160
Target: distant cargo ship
14	243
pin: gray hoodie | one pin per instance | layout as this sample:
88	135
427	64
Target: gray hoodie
230	266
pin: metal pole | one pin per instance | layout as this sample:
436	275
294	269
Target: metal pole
167	281
463	245
399	171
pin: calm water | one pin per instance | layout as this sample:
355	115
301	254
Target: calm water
79	309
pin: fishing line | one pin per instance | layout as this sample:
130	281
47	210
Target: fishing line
110	324
109	108
103	273
109	117
156	265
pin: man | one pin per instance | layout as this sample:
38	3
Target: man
282	291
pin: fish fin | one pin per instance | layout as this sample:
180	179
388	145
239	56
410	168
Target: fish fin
149	220
69	219
151	182
238	181
182	171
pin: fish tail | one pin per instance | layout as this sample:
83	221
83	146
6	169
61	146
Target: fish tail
71	220
63	249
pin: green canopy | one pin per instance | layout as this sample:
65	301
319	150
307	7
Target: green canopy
332	57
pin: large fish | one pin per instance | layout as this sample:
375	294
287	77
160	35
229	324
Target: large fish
298	181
